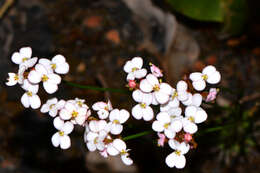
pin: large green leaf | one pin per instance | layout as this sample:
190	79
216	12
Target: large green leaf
204	10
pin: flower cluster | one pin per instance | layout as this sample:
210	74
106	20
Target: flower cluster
30	74
180	110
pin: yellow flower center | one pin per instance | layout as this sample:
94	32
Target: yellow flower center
156	88
24	59
123	152
44	78
74	114
166	125
116	122
191	118
16	77
143	105
175	94
29	93
106	108
177	152
51	106
134	69
96	140
204	77
61	133
53	66
80	103
173	116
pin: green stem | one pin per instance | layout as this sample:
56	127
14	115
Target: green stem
214	129
97	88
137	135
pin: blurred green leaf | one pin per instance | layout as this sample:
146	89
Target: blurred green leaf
204	10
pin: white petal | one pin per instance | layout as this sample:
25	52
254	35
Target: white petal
65	114
54	78
11	79
111	150
34	77
91	136
116	129
26	52
190	111
188	101
30	87
153	80
128	67
62	68
184	148
169	133
157	126
163	117
175	111
58	123
39	68
137	112
58	59
196	76
199	85
161	97
170	160
16	58
45	62
148	113
196	100
180	161
98	106
123	116
53	112
45	108
126	160
176	125
209	70
174	103
137	95
35	101
214	78
119	144
30	62
114	115
145	86
25	100
183	95
166	88
200	116
93	126
91	146
67	127
55	139
181	86
103	114
65	142
190	128
137	62
140	73
49	87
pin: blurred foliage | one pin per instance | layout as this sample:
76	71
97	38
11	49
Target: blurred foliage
232	13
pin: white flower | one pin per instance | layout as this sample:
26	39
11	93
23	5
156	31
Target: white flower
117	118
61	137
209	74
81	103
57	64
193	115
27	86
98	125
31	99
195	100
182	90
14	78
134	69
173	101
163	124
73	113
162	91
142	110
50	80
23	57
119	147
52	106
177	159
96	140
102	109
176	118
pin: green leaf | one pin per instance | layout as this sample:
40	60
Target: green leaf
203	10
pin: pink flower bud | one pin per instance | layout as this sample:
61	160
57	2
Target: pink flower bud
131	84
161	139
212	95
155	70
187	137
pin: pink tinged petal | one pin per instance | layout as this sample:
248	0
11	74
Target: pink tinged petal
103	114
65	142
145	86
140	73
153	80
91	146
39	68
161	139
137	62
67	128
196	100
148	113
34	77
212	94
196	76
124	115
112	151
114	115
26	52
158	126
58	123
128	67
35	101
138	96
188	101
137	112
169	133
161	97
62	68
58	59
180	161
170	160
126	160
25	100
119	144
181	86
190	111
214	78
199	85
209	70
17	58
116	129
200	116
190	128
65	114
55	139
54	78
30	63
49	87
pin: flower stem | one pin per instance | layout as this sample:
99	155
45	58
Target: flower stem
116	90
137	135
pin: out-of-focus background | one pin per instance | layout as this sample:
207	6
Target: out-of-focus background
97	38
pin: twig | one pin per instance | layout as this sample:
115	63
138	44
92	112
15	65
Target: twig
104	85
5	7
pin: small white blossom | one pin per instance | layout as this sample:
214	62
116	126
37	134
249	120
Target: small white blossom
182	93
195	100
52	106
209	74
14	78
31	99
134	69
23	57
162	91
102	109
57	64
117	118
177	158
61	137
172	103
96	140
